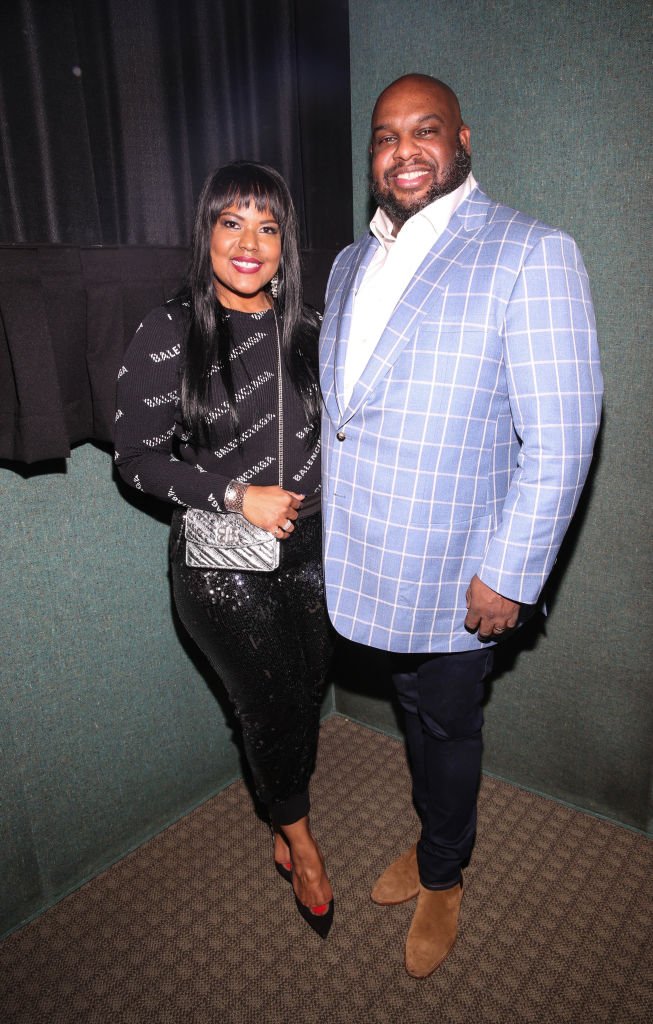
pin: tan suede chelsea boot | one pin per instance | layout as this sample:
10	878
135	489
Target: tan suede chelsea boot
433	930
399	882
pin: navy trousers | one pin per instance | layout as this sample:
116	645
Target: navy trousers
441	696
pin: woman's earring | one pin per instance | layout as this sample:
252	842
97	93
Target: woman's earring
274	286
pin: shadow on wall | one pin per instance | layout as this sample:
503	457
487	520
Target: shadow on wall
575	530
365	674
363	679
528	636
47	467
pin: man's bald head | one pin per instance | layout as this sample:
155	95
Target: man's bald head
414	81
420	147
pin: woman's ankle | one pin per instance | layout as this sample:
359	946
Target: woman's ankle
281	847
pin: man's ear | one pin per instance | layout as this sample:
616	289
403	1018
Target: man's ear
464	134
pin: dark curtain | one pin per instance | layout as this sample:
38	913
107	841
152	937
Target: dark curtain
112	113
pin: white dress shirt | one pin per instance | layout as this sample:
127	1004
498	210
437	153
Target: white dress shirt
387	276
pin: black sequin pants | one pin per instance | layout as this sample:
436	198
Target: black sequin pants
268	637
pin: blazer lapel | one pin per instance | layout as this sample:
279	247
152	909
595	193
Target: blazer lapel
424	294
360	261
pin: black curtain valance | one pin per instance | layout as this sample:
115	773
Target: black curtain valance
66	316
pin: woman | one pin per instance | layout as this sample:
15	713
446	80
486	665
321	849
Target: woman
219	390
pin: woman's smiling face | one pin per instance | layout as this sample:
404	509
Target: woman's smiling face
245	255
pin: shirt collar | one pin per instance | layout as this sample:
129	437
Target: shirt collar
437	214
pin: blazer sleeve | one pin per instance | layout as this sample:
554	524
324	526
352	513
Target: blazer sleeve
555	388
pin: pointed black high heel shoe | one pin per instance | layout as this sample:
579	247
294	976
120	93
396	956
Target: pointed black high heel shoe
320	923
284	870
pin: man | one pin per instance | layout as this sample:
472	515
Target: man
462	395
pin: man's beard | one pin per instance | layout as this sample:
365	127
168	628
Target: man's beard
454	175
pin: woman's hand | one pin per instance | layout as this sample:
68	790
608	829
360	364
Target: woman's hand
272	509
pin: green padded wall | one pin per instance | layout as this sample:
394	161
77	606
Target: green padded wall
558	97
109	728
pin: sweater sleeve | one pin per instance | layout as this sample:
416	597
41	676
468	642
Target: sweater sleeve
147	400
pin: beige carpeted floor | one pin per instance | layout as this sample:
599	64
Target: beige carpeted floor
195	927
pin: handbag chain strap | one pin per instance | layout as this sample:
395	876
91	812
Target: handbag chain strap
279	397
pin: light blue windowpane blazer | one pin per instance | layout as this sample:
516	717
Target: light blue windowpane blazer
469	435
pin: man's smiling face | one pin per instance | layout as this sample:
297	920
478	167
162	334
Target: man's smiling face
419	148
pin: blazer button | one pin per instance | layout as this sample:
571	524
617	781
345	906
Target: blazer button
341	435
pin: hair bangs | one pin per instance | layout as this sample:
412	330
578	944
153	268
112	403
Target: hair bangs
242	183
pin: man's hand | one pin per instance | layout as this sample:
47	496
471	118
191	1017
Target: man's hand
488	612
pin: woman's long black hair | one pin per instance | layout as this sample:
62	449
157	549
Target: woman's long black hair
209	337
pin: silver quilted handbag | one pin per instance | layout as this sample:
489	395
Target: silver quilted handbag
226	540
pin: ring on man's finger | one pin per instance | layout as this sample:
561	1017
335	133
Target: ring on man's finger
286	526
499	629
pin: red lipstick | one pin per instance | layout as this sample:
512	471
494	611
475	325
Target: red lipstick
246	265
